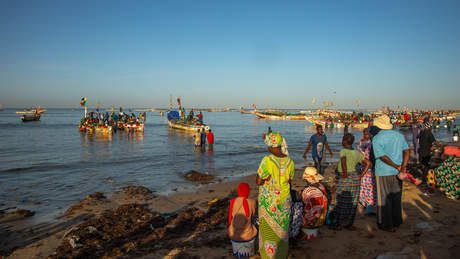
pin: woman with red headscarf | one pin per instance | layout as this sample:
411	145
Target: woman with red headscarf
241	217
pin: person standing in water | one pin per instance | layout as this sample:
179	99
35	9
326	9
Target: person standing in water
317	143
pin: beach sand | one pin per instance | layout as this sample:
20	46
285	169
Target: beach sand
135	223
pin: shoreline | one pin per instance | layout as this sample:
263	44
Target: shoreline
431	227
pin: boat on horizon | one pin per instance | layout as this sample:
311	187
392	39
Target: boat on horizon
30	111
280	115
338	124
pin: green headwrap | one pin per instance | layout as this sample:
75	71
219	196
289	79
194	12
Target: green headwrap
273	139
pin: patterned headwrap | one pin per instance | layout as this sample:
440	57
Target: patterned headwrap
273	139
427	124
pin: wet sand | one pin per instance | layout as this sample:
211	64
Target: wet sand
135	223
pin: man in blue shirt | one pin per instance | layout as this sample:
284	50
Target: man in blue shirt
317	144
392	155
203	139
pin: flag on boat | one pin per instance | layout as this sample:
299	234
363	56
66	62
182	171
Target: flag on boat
83	101
97	107
327	105
170	101
254	105
313	100
358	101
178	100
332	102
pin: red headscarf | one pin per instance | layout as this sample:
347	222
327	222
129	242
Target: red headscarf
243	191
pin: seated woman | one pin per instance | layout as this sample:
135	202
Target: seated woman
241	217
315	200
446	177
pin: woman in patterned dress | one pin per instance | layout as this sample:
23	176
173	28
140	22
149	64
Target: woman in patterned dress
368	188
273	177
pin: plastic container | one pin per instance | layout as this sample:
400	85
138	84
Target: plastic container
243	249
310	233
455	138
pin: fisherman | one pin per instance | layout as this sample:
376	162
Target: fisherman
203	139
200	117
318	141
198	138
416	128
190	115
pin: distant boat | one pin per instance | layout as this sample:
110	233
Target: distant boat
72	109
280	115
243	111
30	111
1	109
146	110
111	109
35	117
340	124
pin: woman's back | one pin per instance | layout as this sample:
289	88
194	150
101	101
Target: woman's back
242	227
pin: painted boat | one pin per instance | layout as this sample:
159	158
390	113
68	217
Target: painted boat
278	115
315	120
175	122
131	127
35	117
95	128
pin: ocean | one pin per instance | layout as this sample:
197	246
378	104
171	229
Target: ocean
48	166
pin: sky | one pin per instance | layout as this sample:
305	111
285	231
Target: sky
230	54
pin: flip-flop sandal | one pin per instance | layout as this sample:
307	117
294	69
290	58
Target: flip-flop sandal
427	193
350	227
335	227
386	228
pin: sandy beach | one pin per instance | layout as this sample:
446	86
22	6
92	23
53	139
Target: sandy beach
135	223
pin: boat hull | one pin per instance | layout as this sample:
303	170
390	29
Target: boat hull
188	127
91	128
26	118
280	117
138	127
337	124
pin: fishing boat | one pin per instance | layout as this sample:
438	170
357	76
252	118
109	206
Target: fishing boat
95	128
133	127
175	122
280	115
30	111
146	110
1	109
338	124
111	109
243	111
34	117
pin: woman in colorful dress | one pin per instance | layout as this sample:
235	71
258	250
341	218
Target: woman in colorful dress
273	177
368	188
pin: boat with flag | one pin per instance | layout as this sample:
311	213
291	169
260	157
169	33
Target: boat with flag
177	120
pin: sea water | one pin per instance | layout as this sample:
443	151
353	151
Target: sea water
47	166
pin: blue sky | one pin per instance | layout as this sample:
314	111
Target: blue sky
230	53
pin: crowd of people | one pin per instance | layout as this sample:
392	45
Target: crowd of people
371	175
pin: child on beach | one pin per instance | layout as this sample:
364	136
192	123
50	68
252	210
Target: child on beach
347	193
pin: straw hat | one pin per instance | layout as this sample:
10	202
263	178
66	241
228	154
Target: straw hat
383	122
311	175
